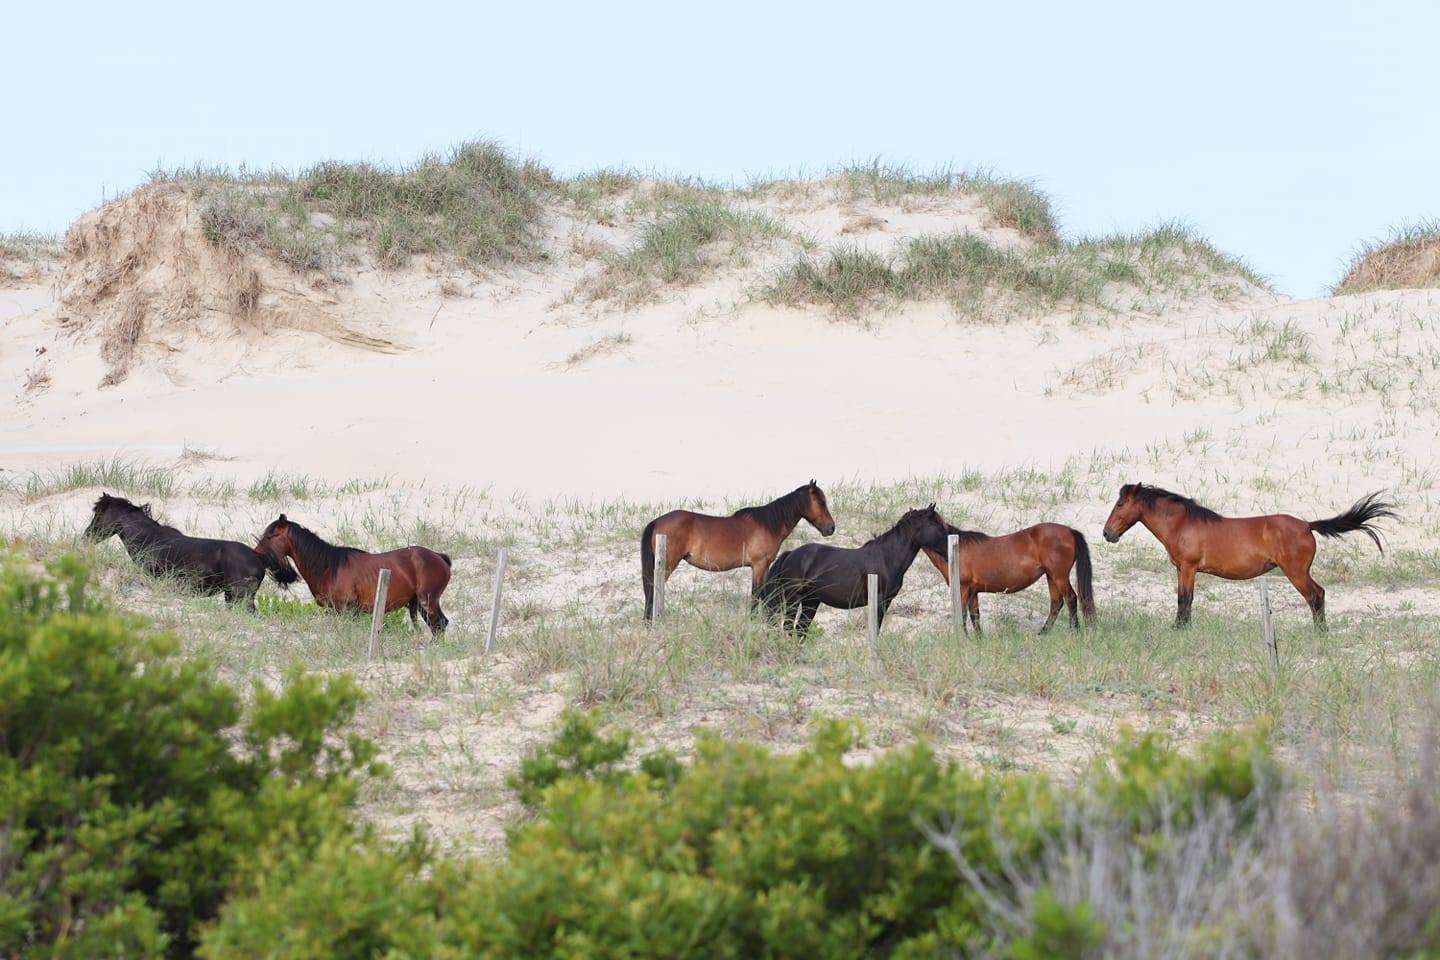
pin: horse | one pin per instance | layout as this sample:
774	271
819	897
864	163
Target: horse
344	578
205	566
1199	540
1010	563
751	536
813	573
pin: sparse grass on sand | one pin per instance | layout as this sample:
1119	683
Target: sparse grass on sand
1409	257
1014	204
690	240
28	246
969	271
476	205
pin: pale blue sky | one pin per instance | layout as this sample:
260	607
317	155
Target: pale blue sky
1285	132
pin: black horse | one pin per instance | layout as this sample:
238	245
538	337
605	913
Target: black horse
205	566
813	574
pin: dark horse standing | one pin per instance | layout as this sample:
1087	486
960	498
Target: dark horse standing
206	566
813	573
749	537
1199	540
344	578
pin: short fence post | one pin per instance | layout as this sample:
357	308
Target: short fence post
952	563
377	617
1267	627
657	607
495	600
872	607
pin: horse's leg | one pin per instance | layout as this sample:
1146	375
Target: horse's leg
758	569
435	618
1184	596
1057	600
974	607
1313	593
1072	603
414	607
806	616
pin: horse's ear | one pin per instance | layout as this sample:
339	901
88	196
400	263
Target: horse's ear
145	509
812	481
282	519
931	508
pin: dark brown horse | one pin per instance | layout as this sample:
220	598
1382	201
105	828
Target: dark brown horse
1199	540
1011	563
344	578
749	537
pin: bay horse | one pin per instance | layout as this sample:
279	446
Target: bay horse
800	580
749	537
344	578
205	566
1013	562
1199	540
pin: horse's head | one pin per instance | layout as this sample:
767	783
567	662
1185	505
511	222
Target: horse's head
817	511
275	548
925	527
107	514
1125	513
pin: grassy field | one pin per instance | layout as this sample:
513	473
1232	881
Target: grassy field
453	722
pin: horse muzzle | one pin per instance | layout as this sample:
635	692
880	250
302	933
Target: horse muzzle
826	530
1110	536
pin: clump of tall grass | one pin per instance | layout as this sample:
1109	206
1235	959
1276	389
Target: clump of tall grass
1409	257
679	247
966	270
477	205
1015	204
27	246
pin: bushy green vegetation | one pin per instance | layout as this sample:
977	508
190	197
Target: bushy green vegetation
1409	257
138	793
965	269
477	205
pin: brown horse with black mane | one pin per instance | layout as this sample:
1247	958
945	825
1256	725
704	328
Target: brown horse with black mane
344	578
749	537
1011	563
1199	540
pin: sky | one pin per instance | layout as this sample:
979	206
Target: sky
1286	132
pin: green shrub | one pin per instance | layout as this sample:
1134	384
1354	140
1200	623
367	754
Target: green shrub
138	792
737	853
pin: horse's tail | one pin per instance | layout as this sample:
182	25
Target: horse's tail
647	566
446	558
1083	577
280	570
1358	517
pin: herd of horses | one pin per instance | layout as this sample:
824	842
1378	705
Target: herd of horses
789	586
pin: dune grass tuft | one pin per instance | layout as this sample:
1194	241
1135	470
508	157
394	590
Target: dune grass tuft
1409	257
1014	204
679	247
27	245
968	270
477	205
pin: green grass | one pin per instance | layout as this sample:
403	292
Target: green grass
691	239
1408	257
1014	204
977	276
476	205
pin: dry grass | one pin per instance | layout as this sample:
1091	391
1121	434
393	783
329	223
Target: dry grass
1409	257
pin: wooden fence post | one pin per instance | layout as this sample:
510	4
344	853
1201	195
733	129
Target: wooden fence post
377	616
952	560
657	607
1267	627
872	607
495	600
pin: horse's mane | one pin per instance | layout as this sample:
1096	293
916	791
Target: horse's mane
779	513
318	556
966	536
1193	511
909	516
141	510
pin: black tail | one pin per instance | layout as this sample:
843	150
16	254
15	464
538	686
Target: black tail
280	570
446	558
1358	517
1083	577
647	567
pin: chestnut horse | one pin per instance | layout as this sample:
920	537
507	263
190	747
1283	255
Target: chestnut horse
344	578
1199	540
749	537
1010	563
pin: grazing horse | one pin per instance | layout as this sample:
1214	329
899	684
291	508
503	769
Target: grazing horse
344	578
1010	563
749	537
205	566
813	573
1199	540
